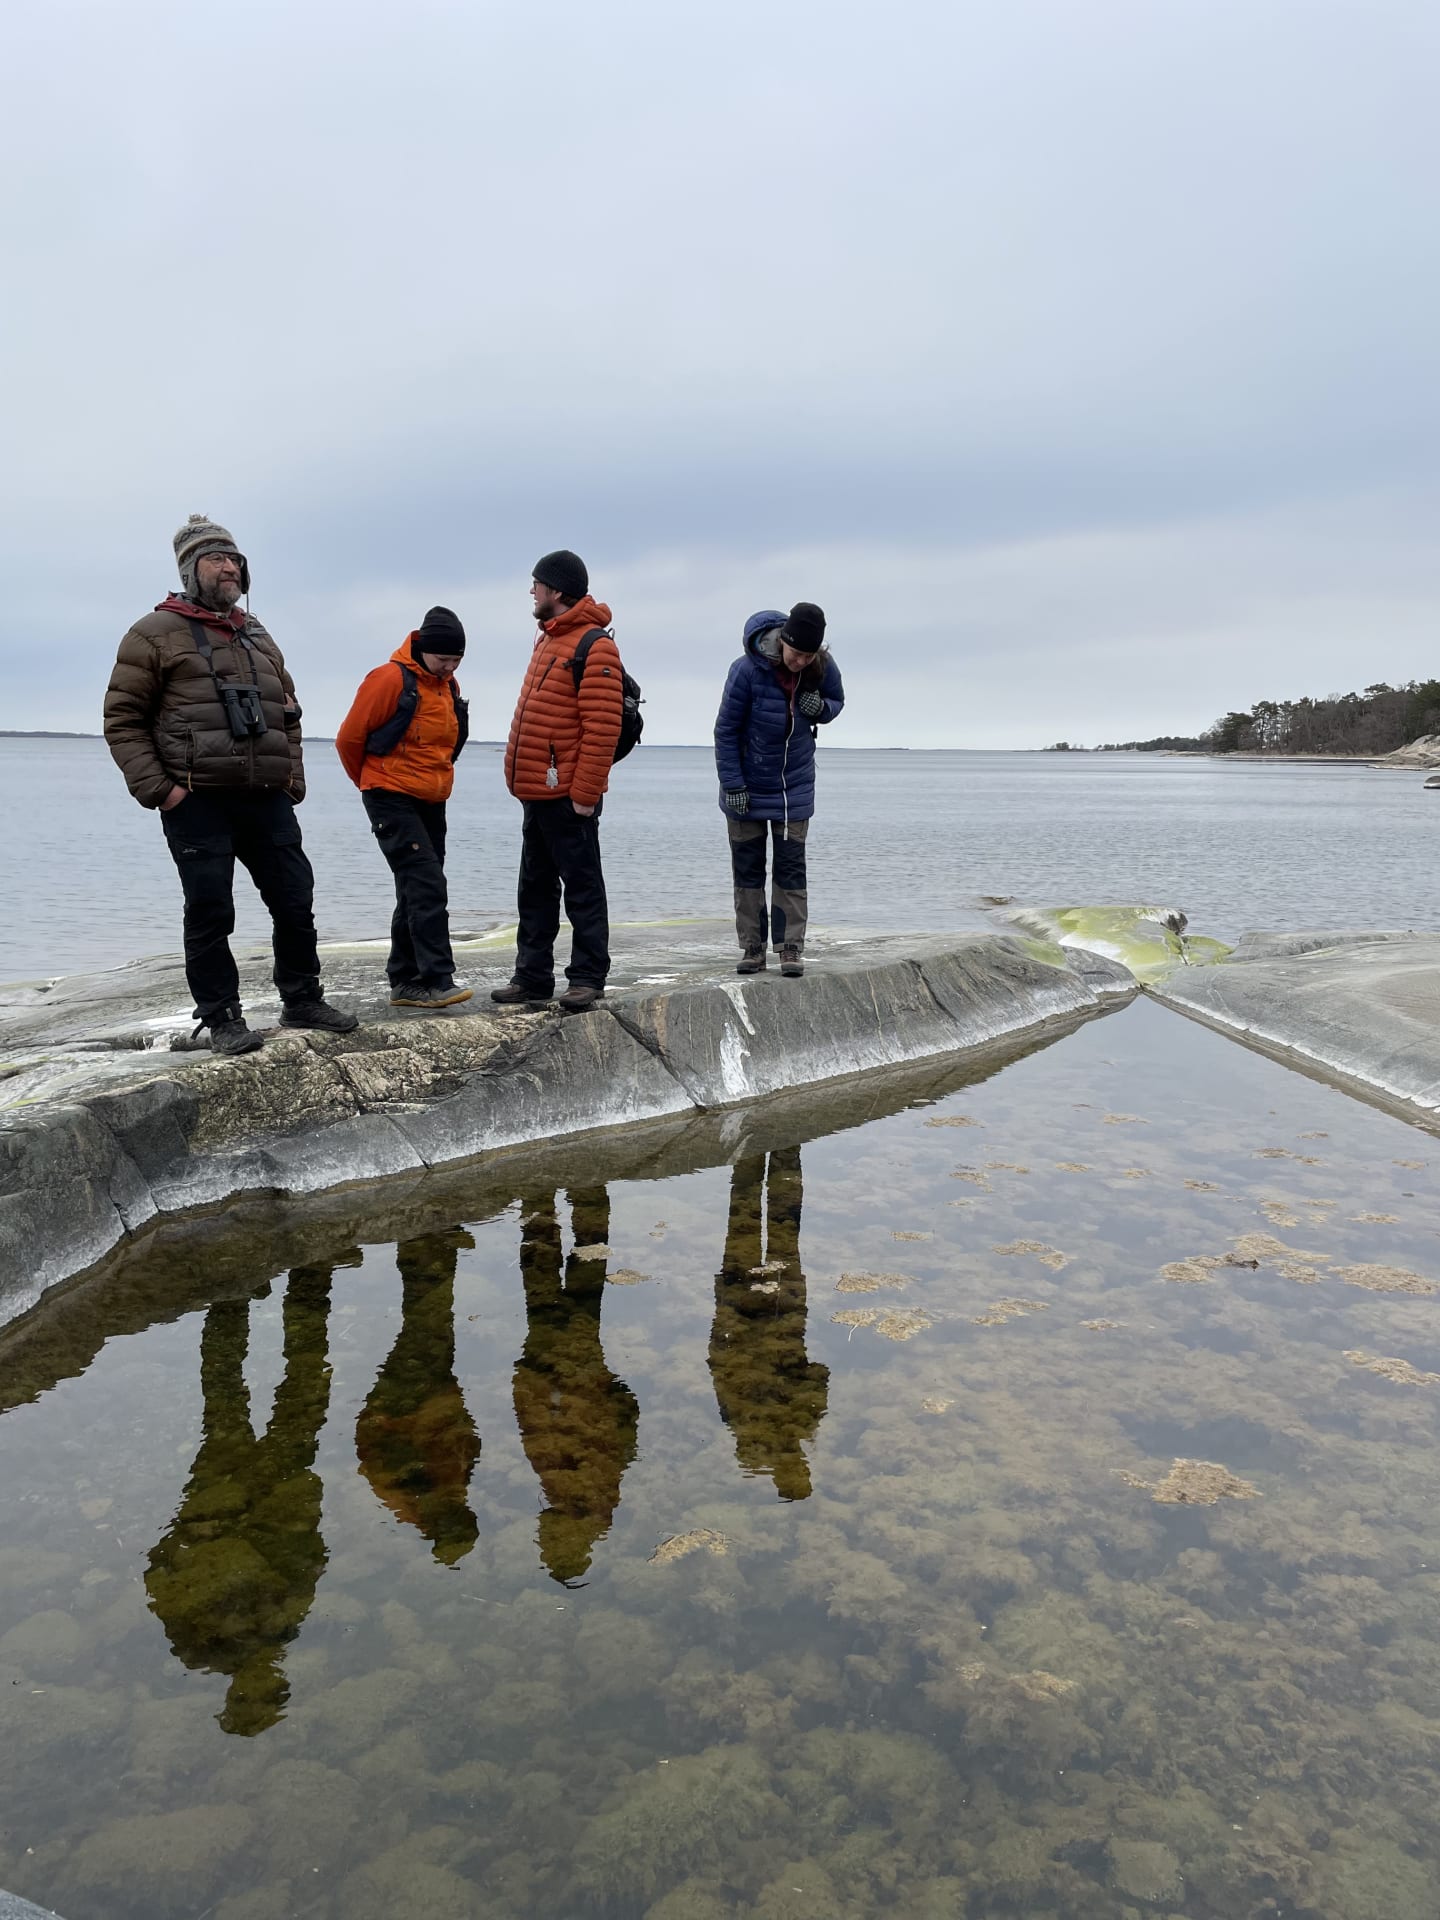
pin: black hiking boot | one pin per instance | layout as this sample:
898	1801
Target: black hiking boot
431	998
319	1016
752	961
579	998
233	1036
517	994
791	965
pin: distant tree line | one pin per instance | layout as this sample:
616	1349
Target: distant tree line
1366	724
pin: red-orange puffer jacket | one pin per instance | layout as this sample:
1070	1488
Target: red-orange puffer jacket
555	728
423	763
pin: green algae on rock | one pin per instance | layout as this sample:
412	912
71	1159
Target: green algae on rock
1150	942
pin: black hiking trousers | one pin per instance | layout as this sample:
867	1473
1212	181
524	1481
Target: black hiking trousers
411	835
560	849
206	834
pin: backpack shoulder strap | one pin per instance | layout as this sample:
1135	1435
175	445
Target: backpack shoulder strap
388	735
582	651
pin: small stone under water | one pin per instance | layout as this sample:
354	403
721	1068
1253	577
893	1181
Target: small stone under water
869	1282
698	1540
999	1311
891	1323
1200	1483
1400	1371
1382	1279
1046	1255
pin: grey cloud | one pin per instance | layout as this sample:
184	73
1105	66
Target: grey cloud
930	301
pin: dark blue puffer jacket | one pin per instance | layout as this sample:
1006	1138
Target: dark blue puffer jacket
761	742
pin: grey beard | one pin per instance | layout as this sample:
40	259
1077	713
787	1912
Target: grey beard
220	598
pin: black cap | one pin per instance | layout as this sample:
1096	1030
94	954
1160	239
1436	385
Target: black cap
441	632
564	571
804	630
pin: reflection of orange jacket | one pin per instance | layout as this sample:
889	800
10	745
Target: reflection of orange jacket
422	765
555	727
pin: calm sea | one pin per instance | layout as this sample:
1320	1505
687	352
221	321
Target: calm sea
901	840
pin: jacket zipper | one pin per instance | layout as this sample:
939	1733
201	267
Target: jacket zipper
784	765
520	728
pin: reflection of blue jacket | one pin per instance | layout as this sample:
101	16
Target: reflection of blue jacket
761	742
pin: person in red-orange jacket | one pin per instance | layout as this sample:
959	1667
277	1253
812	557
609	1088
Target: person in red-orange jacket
399	743
557	764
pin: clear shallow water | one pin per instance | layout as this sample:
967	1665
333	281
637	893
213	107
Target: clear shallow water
601	1547
901	840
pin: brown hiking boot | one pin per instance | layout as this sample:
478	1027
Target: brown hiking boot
752	961
517	994
579	998
791	965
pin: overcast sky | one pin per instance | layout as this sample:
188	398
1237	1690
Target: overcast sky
1080	358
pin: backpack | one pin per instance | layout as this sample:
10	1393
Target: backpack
632	721
388	736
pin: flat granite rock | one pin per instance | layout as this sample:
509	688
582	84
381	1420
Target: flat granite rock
109	1114
1361	1008
14	1908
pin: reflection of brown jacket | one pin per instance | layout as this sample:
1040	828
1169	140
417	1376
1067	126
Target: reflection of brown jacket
234	1575
165	723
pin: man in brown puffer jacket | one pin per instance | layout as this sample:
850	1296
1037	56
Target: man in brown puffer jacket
202	720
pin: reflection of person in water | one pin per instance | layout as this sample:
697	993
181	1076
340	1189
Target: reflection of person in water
770	1395
415	1438
577	1421
235	1576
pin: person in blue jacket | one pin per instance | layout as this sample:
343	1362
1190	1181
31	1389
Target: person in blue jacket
781	690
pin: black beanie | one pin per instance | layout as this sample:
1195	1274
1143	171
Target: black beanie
440	632
564	571
804	630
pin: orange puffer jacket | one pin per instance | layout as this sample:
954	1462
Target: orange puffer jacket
555	727
422	765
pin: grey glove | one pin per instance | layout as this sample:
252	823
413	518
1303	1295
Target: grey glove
738	802
811	704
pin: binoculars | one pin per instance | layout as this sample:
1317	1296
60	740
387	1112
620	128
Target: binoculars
243	710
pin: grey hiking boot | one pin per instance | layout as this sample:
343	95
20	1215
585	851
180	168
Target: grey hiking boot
432	998
791	965
752	961
319	1016
233	1036
579	998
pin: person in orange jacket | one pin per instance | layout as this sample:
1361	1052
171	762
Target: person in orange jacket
399	743
557	764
